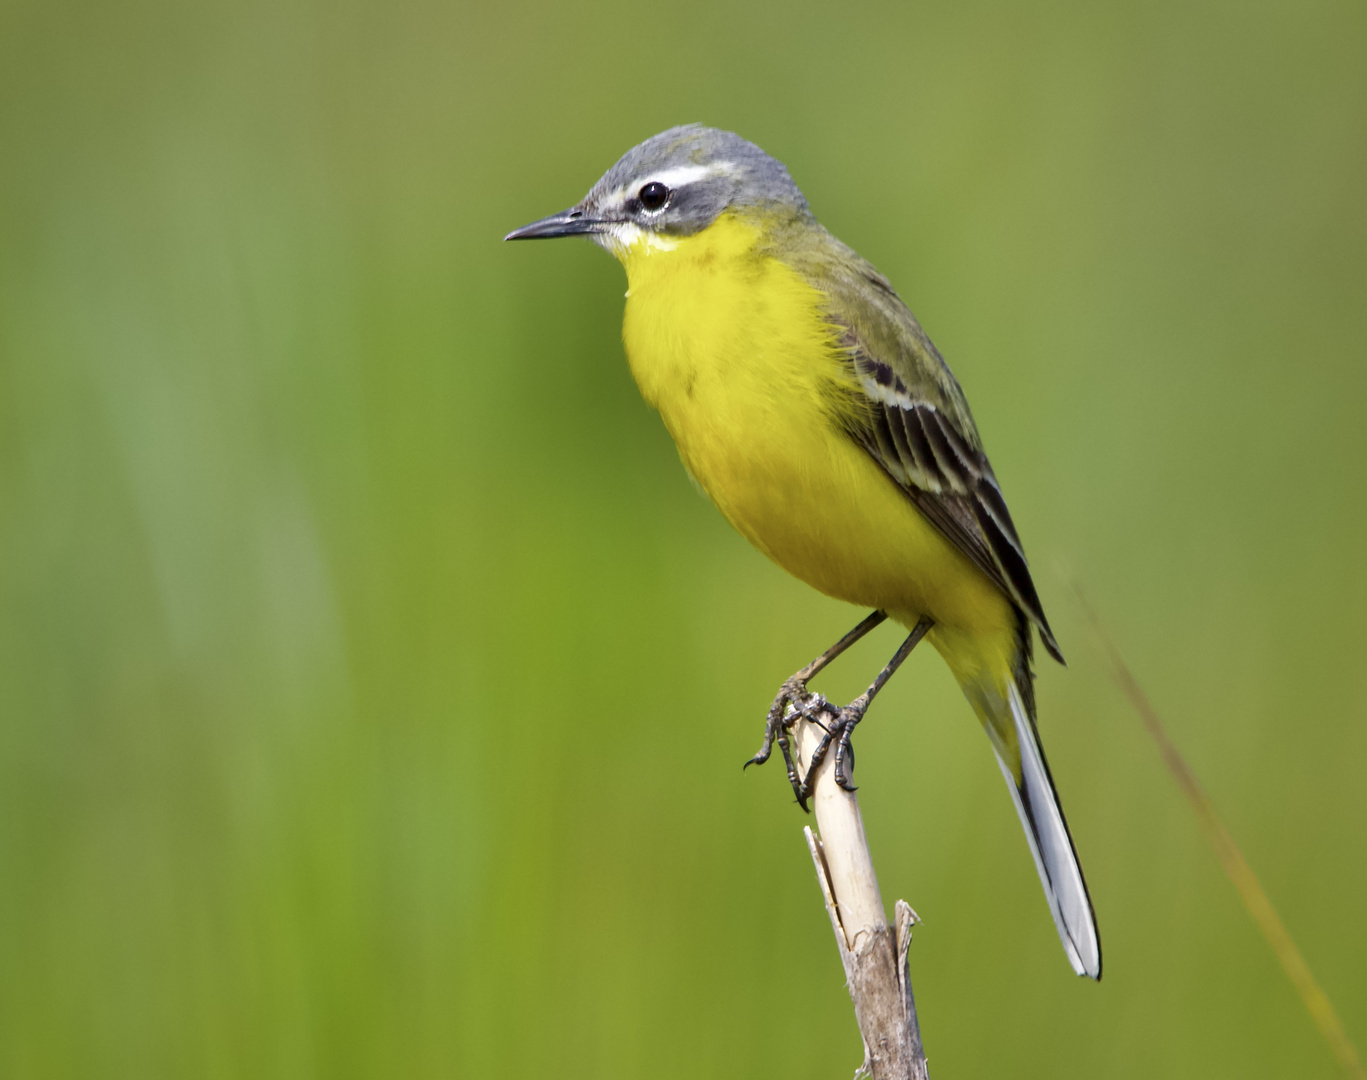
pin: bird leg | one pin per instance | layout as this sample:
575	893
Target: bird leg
794	702
843	721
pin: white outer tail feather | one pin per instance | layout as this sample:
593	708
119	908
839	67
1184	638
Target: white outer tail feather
1052	847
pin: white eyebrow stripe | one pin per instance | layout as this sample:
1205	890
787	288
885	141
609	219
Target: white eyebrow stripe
686	174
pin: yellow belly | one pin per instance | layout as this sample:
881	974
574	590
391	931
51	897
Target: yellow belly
732	349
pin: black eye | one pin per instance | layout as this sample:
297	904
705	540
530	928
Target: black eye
654	195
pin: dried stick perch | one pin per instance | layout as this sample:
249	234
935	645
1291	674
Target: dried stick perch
874	954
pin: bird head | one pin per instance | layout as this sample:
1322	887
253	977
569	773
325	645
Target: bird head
671	186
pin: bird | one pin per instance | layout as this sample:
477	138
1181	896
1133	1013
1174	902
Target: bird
816	414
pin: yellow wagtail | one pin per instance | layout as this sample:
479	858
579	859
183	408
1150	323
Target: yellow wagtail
814	411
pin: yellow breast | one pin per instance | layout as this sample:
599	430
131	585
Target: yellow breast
734	350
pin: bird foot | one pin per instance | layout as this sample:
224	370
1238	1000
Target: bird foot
795	702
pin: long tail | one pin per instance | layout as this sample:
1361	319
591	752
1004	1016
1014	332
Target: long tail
1018	750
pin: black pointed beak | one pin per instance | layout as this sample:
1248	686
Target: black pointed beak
573	222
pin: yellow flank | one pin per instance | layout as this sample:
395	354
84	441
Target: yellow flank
730	345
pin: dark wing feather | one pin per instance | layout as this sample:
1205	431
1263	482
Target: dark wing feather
917	425
951	483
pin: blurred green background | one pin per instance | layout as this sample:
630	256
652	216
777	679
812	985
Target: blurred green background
373	684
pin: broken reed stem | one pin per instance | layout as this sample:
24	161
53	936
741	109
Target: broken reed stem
873	954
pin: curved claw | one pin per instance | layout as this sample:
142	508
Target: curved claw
765	753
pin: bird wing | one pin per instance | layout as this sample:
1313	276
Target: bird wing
917	425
